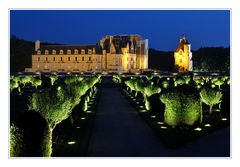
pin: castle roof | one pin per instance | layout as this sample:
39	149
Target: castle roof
181	44
70	47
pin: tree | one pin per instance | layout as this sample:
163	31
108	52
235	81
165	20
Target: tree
53	78
54	106
210	97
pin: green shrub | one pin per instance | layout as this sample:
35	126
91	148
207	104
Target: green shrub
17	146
181	108
54	106
210	97
53	78
149	77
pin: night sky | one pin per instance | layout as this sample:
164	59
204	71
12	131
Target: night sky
163	28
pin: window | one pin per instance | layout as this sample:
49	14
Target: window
89	51
89	59
38	58
180	60
82	51
68	58
61	59
53	52
46	58
68	52
46	52
75	51
61	52
82	58
131	58
38	52
54	59
75	58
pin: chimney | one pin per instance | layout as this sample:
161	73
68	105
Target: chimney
37	45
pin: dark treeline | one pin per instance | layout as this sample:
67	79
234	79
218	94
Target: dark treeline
212	59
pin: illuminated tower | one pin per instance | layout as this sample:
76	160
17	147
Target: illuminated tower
183	56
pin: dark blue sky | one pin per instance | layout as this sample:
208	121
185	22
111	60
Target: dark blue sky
163	28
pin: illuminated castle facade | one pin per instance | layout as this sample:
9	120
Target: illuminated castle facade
183	56
119	53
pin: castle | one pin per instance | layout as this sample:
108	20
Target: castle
118	53
183	56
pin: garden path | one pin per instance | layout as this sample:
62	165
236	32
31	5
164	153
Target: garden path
119	131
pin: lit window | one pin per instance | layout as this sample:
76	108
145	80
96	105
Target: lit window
61	52
46	52
82	51
89	51
76	51
53	52
68	52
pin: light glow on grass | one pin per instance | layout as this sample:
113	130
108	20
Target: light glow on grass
163	127
224	119
198	129
71	142
207	125
153	116
83	118
160	123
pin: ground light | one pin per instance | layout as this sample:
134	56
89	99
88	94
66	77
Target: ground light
71	142
89	111
163	127
224	119
198	129
141	106
78	127
83	118
160	123
207	125
142	110
153	116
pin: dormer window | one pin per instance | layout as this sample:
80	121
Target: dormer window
89	51
82	51
68	52
53	52
46	52
75	51
38	52
61	52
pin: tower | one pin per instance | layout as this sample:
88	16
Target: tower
183	56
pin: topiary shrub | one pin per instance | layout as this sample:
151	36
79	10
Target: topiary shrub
17	146
181	107
210	97
54	106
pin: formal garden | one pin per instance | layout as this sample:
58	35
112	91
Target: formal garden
54	115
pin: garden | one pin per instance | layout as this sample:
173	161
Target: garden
50	114
179	108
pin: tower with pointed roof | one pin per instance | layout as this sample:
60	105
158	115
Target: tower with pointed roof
183	56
